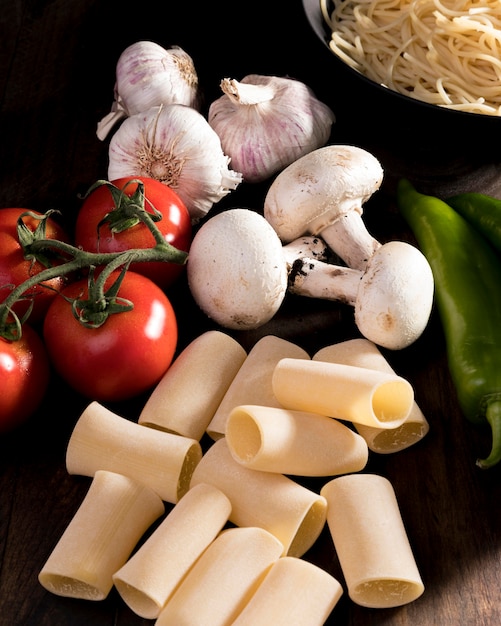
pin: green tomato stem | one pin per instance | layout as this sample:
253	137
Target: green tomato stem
78	259
163	252
129	209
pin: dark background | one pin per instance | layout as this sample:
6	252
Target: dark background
57	63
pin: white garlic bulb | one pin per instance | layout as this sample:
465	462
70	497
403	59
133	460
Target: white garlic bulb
267	122
175	145
149	75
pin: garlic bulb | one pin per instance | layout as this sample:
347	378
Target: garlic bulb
175	145
148	75
266	122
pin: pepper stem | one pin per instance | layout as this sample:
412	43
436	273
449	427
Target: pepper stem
493	417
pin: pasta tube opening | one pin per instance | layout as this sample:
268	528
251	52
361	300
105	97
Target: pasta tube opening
391	401
385	592
396	439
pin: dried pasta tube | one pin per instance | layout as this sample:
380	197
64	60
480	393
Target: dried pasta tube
371	542
293	442
364	353
294	591
221	582
355	394
294	514
186	398
154	571
252	384
111	519
103	440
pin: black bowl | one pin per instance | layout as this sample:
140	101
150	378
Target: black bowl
445	151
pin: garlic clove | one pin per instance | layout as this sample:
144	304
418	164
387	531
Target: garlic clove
116	114
149	75
267	122
175	145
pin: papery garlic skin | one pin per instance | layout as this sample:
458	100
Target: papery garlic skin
149	75
267	122
175	145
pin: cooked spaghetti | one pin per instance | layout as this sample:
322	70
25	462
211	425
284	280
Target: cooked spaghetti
444	52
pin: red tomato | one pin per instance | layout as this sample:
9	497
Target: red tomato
15	269
24	377
125	356
175	226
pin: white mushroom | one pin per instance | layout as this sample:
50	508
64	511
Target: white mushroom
322	193
392	297
236	269
239	272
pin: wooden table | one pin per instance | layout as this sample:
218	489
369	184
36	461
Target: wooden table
56	82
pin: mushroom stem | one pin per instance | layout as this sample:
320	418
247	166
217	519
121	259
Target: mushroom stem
350	239
307	246
392	297
312	277
322	193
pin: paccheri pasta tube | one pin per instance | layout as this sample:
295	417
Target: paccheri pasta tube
294	592
224	578
355	394
103	440
364	353
294	514
293	442
371	541
185	400
252	384
113	516
155	570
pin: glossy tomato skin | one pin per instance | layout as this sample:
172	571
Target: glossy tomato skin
125	356
15	269
24	378
175	226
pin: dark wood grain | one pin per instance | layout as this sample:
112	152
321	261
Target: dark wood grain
57	62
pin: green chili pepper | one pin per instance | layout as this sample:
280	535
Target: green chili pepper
483	212
467	274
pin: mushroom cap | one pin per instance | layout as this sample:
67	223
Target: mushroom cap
395	296
319	188
236	269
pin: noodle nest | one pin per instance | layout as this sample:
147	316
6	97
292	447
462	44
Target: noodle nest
446	53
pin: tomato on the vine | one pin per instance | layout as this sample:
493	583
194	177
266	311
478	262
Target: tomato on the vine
16	269
24	378
93	233
123	357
